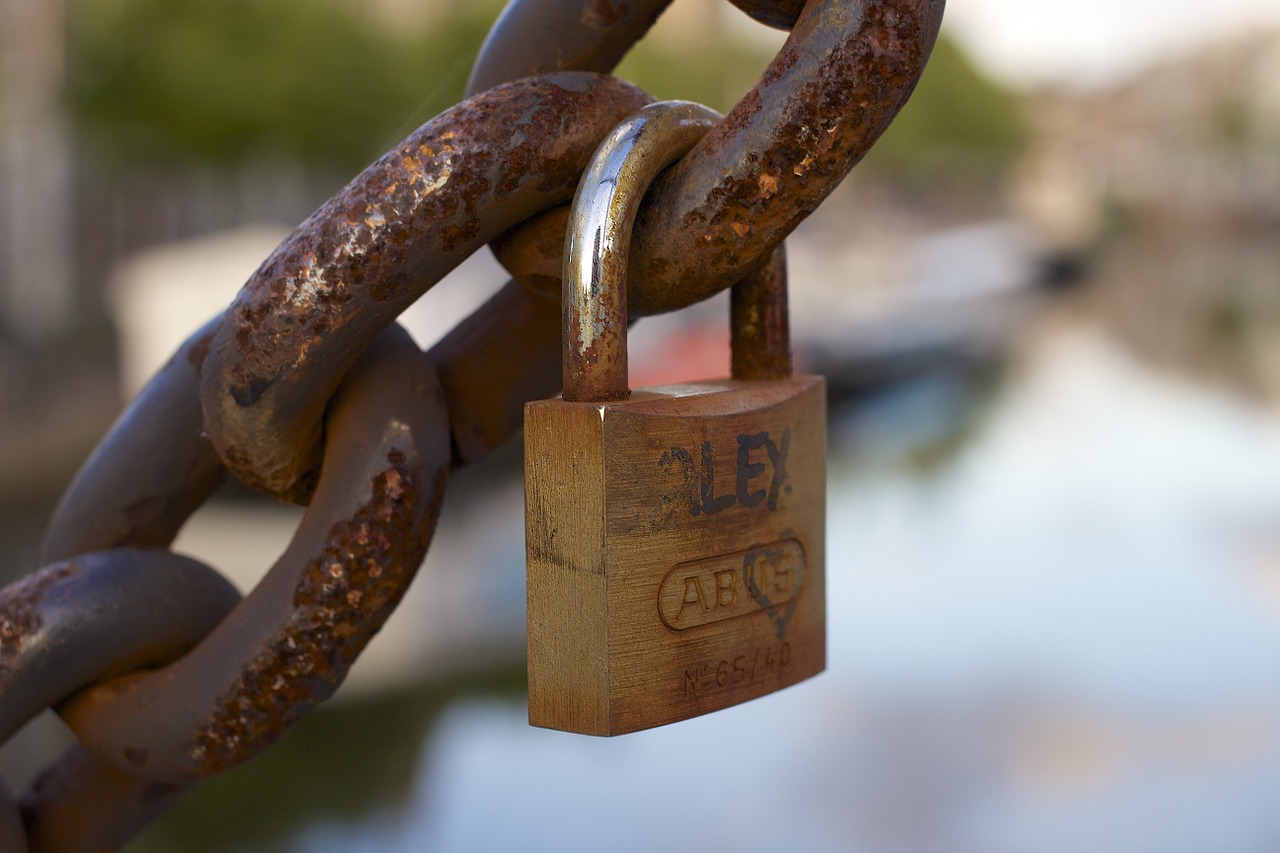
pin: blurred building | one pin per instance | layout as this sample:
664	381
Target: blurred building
35	171
1177	173
1194	141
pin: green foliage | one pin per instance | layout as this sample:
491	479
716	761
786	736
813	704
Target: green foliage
958	124
227	81
717	74
1232	120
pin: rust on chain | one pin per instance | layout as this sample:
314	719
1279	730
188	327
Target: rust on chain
167	413
533	252
307	316
354	584
99	615
362	258
74	623
840	78
20	617
289	643
759	323
863	98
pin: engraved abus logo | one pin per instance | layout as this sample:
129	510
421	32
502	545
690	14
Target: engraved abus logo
765	578
757	454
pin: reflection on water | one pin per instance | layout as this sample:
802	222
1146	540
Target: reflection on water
1062	636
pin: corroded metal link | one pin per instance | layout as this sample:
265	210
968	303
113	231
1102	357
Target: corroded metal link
165	468
82	804
151	471
569	35
99	615
777	155
343	574
69	625
74	623
353	266
287	646
304	394
859	53
840	78
583	35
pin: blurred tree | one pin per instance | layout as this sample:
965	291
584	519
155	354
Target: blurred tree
958	125
698	59
223	82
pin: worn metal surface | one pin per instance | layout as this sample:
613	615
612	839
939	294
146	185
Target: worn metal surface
850	65
79	620
596	270
759	324
579	35
82	804
99	615
302	390
289	644
599	236
840	78
540	36
362	258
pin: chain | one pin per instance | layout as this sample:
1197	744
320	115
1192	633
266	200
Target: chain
306	389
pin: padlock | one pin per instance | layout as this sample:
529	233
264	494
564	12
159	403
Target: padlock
675	535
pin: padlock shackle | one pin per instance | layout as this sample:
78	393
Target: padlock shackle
597	243
759	325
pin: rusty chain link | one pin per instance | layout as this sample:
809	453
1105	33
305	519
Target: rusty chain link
306	389
348	271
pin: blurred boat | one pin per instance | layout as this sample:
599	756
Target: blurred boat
879	311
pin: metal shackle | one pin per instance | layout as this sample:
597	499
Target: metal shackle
594	295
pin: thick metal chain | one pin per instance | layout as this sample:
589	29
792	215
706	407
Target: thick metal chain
830	92
307	390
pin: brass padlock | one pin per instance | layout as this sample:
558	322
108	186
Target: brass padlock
675	535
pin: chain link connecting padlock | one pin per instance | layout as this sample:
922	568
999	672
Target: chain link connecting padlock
254	394
675	535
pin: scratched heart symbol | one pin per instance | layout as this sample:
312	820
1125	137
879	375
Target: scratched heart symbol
781	616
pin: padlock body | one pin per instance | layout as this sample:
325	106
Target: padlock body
675	551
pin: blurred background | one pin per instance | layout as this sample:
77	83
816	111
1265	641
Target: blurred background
1048	308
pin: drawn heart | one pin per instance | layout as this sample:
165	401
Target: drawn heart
787	552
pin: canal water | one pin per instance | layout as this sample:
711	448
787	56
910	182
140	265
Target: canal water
1054	625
